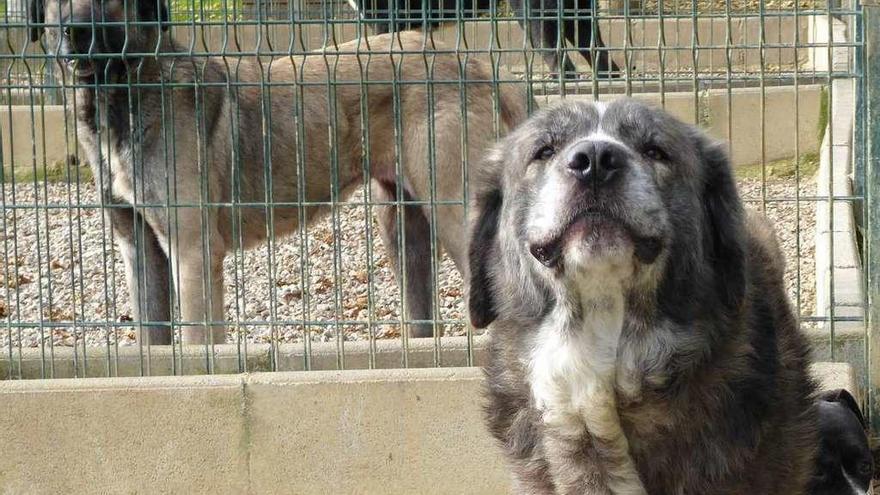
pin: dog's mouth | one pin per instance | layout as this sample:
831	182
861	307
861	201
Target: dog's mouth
601	233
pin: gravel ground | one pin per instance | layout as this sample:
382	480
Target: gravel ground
796	230
720	6
55	261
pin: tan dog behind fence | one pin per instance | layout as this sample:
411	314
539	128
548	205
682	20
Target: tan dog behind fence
210	133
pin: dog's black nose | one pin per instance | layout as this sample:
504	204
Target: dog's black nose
596	161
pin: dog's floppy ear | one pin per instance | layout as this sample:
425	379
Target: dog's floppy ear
482	251
842	396
153	10
37	17
724	239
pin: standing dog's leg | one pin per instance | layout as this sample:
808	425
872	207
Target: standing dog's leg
197	269
378	9
545	34
603	63
146	273
416	256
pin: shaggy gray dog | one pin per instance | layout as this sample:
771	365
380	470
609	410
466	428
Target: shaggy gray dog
641	339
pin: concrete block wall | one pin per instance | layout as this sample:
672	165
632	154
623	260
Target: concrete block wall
384	432
640	36
840	294
737	120
388	432
39	135
131	361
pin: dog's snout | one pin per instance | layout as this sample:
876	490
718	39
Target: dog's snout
580	163
596	161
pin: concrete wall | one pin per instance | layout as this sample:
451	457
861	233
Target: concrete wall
382	432
737	118
637	38
40	135
738	121
840	296
67	362
406	431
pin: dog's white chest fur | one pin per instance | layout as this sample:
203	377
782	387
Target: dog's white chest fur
572	368
118	161
572	373
573	363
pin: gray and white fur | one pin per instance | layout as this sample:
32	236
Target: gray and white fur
641	340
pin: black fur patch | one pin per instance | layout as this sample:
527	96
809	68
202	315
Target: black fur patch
481	304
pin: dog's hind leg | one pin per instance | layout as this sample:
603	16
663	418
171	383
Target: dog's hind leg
146	273
581	33
545	35
197	269
416	239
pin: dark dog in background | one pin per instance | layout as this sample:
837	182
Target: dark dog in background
168	131
538	17
389	15
642	341
844	465
578	31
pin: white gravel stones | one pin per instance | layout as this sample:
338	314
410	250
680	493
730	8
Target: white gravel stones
56	282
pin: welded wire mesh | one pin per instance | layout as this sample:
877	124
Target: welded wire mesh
771	77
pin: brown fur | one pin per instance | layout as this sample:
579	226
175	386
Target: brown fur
309	111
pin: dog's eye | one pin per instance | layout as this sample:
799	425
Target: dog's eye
866	468
544	153
655	153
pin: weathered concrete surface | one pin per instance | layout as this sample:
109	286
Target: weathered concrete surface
384	432
639	40
823	37
737	120
172	435
229	359
759	127
67	362
837	375
840	294
38	136
402	431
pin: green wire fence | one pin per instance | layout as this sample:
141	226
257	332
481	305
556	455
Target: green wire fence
792	85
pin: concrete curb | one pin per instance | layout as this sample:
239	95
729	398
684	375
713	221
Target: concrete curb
230	358
389	432
839	277
750	39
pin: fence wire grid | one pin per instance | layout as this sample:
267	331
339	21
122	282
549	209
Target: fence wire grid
771	77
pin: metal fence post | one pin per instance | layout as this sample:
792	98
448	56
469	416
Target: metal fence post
871	95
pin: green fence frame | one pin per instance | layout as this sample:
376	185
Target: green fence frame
724	67
870	108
